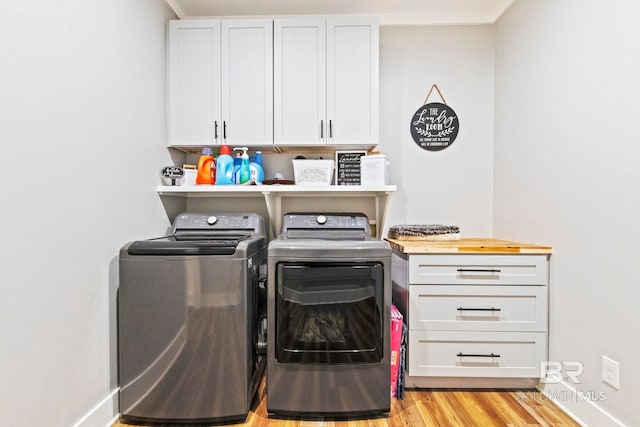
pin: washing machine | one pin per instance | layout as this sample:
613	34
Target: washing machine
329	302
192	320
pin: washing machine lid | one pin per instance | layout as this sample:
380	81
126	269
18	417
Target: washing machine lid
203	234
197	245
326	226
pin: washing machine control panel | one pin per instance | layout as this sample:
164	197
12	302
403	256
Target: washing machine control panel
193	221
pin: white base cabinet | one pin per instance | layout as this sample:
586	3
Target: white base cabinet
473	316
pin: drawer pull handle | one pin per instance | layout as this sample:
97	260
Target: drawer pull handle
479	309
477	355
479	270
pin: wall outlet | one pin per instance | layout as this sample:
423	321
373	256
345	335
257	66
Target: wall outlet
611	372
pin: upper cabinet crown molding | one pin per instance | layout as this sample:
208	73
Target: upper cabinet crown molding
405	12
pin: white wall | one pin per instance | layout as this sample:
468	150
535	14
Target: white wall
566	174
452	186
82	118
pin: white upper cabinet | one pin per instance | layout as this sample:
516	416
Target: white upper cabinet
352	80
220	83
247	82
299	81
311	81
193	82
326	81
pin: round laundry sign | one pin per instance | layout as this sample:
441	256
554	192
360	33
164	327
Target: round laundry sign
434	126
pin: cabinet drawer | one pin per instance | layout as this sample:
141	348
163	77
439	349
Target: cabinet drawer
476	354
478	269
478	308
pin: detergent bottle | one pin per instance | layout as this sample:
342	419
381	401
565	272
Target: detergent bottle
255	168
243	175
224	166
206	168
237	161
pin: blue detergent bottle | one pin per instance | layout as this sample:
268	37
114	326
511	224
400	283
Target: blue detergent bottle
224	166
255	168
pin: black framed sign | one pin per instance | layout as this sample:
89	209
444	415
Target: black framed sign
172	173
348	167
435	125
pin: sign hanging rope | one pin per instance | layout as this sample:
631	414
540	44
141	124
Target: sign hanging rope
439	93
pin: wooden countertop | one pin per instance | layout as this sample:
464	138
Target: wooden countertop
480	245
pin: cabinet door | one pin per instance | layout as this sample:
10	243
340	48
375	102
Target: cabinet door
299	81
352	81
193	82
247	82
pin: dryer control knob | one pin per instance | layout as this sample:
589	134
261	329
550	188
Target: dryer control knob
212	220
321	219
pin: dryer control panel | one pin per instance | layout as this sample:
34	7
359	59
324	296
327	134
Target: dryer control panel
326	225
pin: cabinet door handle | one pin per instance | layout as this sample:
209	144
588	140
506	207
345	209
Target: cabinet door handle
479	270
215	129
321	129
224	130
478	309
330	128
477	355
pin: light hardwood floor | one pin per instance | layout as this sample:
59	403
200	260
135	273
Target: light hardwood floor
438	408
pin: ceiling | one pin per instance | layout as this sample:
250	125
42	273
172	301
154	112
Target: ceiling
390	12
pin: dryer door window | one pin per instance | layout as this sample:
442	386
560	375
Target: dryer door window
329	312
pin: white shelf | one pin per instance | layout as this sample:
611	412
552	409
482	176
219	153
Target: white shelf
245	190
273	195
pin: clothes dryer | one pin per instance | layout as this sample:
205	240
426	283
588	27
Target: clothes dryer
329	302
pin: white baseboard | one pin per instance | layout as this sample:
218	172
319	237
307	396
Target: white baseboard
104	414
581	405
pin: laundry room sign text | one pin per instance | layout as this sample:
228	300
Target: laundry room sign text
435	125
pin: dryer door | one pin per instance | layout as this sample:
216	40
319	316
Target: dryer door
329	312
